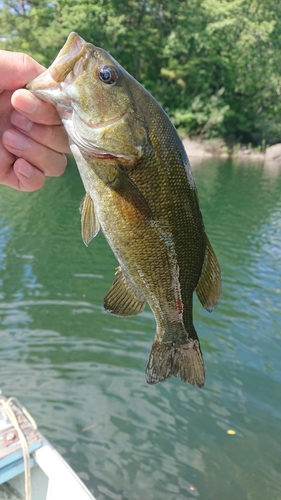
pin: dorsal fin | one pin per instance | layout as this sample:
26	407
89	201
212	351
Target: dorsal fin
89	222
122	299
209	285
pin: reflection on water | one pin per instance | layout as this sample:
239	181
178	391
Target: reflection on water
80	371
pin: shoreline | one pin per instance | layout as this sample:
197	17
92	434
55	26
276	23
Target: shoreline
197	148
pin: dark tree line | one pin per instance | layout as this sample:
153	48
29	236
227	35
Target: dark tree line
214	65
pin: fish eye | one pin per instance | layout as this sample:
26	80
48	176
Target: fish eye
107	75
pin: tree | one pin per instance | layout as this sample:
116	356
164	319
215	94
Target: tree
222	65
212	64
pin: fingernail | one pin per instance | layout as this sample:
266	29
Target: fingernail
21	122
15	140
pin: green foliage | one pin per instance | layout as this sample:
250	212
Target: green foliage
212	64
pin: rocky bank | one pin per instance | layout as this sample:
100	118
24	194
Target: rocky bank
204	149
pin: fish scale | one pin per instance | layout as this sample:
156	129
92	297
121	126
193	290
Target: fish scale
140	191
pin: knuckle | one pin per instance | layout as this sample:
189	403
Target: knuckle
26	60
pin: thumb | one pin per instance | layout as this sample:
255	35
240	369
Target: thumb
17	69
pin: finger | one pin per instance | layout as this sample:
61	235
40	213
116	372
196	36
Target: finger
6	160
54	137
48	161
16	173
29	177
24	176
35	109
17	69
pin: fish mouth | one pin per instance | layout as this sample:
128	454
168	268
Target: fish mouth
50	80
73	50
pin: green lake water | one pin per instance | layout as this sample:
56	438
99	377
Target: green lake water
80	371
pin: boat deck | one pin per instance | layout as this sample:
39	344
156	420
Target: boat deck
11	455
51	478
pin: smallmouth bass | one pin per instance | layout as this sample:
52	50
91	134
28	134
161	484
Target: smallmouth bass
140	191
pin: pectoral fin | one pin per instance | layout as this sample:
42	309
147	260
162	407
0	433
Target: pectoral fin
209	286
89	222
128	198
122	299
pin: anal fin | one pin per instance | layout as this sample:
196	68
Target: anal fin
89	222
209	285
122	299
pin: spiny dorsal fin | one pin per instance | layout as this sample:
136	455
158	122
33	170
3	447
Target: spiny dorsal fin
121	299
89	222
209	285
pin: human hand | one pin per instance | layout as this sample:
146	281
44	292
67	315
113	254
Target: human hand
32	138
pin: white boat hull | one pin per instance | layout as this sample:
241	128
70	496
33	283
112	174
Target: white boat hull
51	478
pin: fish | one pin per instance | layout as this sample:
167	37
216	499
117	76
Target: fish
141	193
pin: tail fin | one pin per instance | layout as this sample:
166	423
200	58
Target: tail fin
181	360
